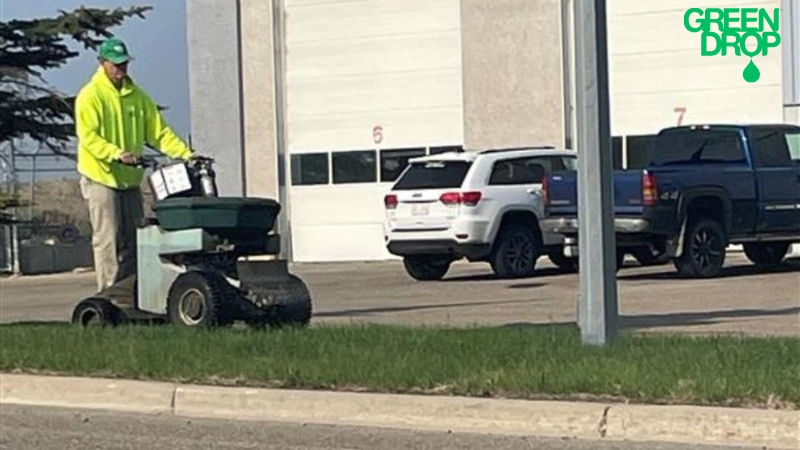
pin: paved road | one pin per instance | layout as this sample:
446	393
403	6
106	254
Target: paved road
744	300
27	428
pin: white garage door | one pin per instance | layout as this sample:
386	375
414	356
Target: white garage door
369	82
658	76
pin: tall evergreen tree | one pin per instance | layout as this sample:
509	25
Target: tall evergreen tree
29	106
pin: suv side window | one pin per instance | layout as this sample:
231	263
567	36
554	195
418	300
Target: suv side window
528	170
698	147
508	172
770	148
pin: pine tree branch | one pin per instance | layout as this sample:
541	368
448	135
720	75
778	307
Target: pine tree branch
29	107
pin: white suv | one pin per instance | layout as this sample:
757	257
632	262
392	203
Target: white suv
482	206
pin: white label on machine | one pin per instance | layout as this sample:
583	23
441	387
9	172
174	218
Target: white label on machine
176	178
159	186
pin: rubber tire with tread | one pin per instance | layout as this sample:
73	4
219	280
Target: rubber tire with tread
294	306
687	265
426	268
499	260
766	254
104	311
212	288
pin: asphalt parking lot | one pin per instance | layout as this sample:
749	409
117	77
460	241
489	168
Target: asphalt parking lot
743	301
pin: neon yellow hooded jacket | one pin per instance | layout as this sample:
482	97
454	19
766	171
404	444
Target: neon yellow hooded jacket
109	122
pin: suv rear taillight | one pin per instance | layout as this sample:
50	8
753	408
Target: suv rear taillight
466	198
390	201
649	189
471	198
450	198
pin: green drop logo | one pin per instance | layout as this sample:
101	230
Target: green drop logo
751	73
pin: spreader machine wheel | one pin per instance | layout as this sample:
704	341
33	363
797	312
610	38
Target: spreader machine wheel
197	299
289	305
96	312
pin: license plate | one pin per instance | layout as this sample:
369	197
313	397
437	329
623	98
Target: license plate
419	209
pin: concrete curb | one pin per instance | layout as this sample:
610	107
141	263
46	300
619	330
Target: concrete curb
697	425
91	393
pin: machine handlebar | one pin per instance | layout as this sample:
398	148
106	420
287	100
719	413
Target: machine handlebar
148	162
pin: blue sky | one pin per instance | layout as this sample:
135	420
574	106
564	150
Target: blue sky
158	44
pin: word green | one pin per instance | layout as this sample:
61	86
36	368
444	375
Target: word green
748	31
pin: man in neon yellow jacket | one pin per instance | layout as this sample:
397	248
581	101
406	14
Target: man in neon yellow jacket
114	119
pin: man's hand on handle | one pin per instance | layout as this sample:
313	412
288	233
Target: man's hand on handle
129	158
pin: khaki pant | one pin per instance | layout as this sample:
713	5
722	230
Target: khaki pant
114	215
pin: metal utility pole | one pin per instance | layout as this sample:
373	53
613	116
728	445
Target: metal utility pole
284	174
790	16
568	67
597	308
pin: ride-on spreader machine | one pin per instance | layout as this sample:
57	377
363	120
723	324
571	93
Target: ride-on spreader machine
195	262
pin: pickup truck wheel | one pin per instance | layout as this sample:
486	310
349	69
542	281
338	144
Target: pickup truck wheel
703	250
766	254
426	268
516	252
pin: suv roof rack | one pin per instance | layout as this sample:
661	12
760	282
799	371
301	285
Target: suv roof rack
513	149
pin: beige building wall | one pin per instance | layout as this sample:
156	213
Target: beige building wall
512	81
513	77
258	81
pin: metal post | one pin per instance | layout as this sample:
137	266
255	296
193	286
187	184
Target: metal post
32	197
790	20
242	113
597	308
278	36
15	267
567	46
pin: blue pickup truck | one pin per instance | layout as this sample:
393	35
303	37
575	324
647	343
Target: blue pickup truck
705	187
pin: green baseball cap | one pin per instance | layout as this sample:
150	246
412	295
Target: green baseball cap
115	51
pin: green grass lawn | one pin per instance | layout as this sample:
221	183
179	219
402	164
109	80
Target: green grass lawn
517	362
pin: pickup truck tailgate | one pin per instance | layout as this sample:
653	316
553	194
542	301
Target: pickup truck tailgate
562	190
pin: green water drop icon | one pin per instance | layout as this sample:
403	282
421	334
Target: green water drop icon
751	73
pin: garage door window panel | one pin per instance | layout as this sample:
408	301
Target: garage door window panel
446	149
355	167
310	169
639	151
393	162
